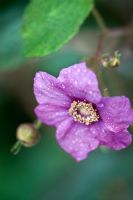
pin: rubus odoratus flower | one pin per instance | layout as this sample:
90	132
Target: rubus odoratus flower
83	118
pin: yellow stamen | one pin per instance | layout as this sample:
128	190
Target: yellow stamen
83	112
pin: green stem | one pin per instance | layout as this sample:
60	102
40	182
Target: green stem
98	52
37	124
16	148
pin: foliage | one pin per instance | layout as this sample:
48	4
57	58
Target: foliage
50	24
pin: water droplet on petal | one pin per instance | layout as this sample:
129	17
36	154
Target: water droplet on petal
101	105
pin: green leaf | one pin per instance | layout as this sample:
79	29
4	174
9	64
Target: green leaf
48	24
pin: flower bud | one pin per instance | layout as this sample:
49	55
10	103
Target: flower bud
111	61
27	134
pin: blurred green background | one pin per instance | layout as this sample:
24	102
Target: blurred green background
45	172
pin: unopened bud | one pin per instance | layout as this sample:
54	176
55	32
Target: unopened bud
111	61
27	134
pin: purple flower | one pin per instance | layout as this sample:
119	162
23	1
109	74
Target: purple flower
83	118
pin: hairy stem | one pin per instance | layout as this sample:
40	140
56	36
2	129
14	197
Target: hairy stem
99	48
102	35
99	20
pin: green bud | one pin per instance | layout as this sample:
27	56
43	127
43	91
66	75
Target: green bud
27	134
111	61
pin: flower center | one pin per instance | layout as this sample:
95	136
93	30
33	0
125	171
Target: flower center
83	112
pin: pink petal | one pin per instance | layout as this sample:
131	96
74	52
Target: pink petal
51	115
76	139
119	140
80	82
116	113
46	90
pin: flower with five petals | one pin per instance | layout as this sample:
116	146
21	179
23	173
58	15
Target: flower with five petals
83	118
